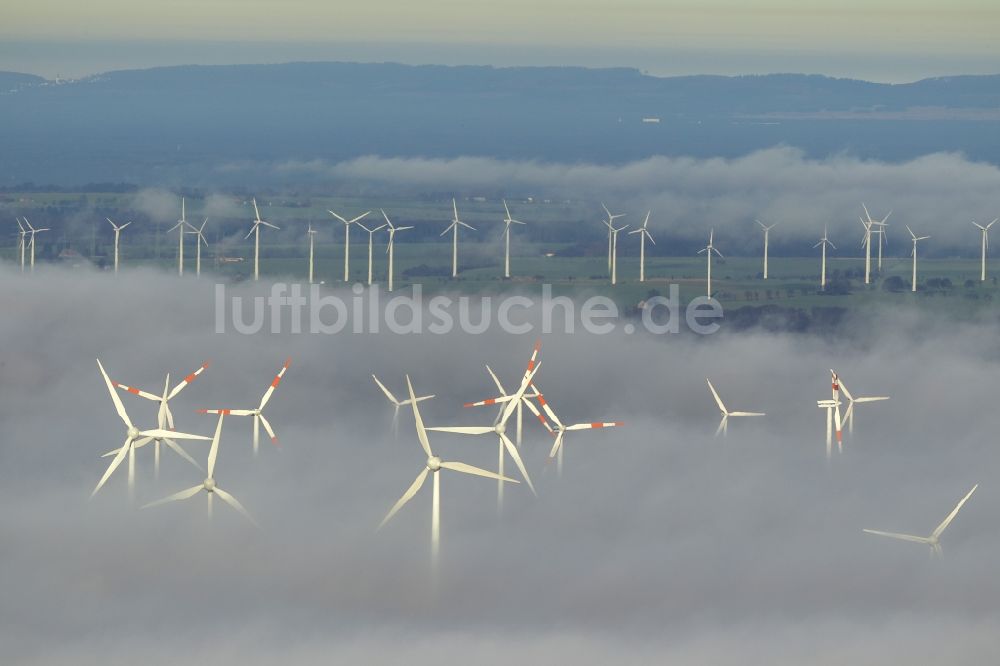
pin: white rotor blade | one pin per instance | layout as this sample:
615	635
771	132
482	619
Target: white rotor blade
951	516
182	495
589	426
407	496
556	444
213	452
181	452
872	398
139	392
388	393
421	431
463	430
894	535
233	502
274	383
159	433
469	469
187	380
119	407
509	409
715	394
270	431
114	465
747	414
512	451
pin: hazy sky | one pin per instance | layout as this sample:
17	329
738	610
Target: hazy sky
883	39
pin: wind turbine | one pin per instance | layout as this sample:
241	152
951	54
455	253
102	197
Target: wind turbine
453	227
397	403
503	441
832	408
164	401
199	232
180	226
708	250
506	234
560	430
209	485
614	251
608	223
347	240
134	438
824	241
914	253
255	230
371	236
392	238
643	235
258	416
767	233
985	246
31	242
22	243
433	466
724	423
934	540
312	234
504	396
118	230
851	400
866	242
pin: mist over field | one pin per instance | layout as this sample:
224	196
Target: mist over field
659	543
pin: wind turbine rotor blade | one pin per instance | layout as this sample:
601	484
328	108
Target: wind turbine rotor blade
418	420
338	217
139	392
548	412
182	495
213	453
407	496
274	383
387	392
896	535
233	502
469	469
268	224
463	430
187	380
556	444
496	381
872	398
951	516
228	412
359	217
589	426
513	453
270	431
119	407
722	424
509	409
160	433
250	233
181	452
114	465
715	394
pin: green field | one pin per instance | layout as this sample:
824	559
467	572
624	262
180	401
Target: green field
421	257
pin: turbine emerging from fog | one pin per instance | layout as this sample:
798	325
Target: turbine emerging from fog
914	254
609	223
708	250
866	242
371	241
832	408
182	226
257	414
255	230
397	403
453	227
500	430
31	241
22	242
208	485
851	401
506	234
643	235
767	233
434	465
985	244
614	251
724	423
392	240
118	231
824	241
134	438
199	232
934	540
347	240
560	430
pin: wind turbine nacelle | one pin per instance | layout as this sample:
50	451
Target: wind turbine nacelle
209	485
433	463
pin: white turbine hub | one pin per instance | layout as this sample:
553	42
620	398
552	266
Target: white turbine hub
433	463
209	484
133	432
500	428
